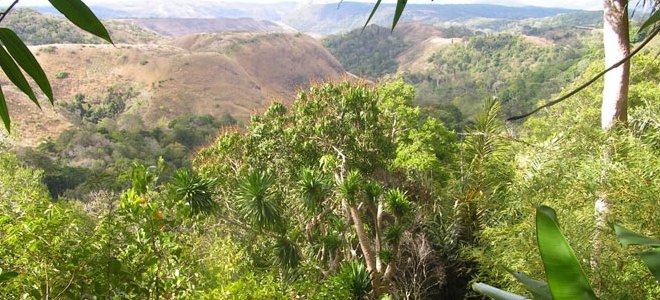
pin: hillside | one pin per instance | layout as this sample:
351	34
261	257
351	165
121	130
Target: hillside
36	28
217	74
456	67
181	27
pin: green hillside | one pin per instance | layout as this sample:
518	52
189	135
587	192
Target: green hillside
38	29
519	70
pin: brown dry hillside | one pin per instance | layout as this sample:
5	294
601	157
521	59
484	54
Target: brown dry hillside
236	73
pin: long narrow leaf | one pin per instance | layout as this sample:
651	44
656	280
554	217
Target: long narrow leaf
7	276
494	292
26	60
15	75
652	260
4	111
628	238
539	289
373	12
654	18
565	276
400	6
80	15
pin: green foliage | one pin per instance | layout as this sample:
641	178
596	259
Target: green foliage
294	174
196	191
566	279
560	164
565	276
93	154
112	106
258	203
518	72
370	52
35	28
650	257
62	75
355	277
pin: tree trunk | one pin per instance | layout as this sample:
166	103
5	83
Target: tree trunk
367	250
616	42
617	46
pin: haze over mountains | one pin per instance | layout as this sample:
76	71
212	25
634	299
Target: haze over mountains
321	19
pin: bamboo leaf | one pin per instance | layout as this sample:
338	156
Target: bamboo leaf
653	19
15	75
494	292
539	289
26	60
373	12
400	6
7	276
80	15
652	260
628	238
563	271
4	111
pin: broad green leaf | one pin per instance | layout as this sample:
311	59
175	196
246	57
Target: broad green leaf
373	12
495	293
627	237
652	260
80	15
7	276
26	60
400	6
563	271
4	111
654	18
15	75
539	289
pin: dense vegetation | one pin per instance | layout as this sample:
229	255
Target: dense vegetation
35	28
351	192
518	71
370	53
108	136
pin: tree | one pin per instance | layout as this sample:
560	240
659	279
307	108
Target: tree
616	42
14	55
351	163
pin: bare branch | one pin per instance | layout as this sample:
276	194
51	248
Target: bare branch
4	13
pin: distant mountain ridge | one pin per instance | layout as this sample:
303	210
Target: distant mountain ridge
322	19
181	27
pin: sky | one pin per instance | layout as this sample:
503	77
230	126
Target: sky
576	4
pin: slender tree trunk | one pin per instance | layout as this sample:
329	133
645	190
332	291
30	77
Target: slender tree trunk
365	246
616	41
367	250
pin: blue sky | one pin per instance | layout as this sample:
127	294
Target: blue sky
577	4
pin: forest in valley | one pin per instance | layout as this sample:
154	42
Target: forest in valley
411	177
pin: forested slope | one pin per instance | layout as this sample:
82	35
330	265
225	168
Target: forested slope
456	66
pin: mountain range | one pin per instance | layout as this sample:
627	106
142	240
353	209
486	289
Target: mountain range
320	19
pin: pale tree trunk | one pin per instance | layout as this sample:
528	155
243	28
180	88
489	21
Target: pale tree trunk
614	109
617	46
367	250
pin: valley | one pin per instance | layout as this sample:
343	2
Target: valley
284	150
